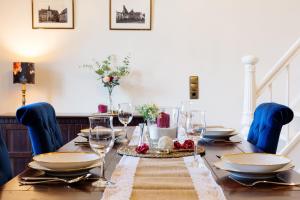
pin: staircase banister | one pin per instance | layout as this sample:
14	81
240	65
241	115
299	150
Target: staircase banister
281	64
289	147
249	104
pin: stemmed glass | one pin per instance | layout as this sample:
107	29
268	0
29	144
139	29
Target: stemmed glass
101	140
196	127
185	109
125	115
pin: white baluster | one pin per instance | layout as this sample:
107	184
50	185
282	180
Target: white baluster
249	92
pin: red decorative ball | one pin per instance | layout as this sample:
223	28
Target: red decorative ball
177	145
142	149
188	144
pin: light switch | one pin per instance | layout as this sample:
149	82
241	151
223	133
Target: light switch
194	87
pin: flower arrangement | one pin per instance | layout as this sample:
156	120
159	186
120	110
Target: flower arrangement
110	76
148	111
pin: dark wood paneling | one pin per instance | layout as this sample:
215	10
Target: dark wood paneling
18	143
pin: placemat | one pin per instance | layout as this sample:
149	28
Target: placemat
157	153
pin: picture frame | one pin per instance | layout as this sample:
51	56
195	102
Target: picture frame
53	14
130	15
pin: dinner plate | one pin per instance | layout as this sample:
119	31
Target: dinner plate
83	135
252	175
226	136
66	160
218	131
255	162
63	172
223	166
85	132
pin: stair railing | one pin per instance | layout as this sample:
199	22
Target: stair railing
252	91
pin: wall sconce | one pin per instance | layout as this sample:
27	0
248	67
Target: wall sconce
23	73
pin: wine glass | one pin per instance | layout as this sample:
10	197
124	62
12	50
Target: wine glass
101	140
185	109
125	115
196	127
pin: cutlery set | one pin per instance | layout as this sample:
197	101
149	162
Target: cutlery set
42	180
251	183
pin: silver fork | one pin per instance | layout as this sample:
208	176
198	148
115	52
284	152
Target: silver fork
265	182
49	180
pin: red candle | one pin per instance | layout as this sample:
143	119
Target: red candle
163	120
102	108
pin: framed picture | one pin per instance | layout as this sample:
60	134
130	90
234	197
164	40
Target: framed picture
53	14
130	14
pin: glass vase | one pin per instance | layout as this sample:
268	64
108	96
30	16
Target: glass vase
110	105
166	124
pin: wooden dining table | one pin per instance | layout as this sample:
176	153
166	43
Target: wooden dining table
12	190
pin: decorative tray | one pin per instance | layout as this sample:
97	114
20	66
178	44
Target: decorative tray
158	153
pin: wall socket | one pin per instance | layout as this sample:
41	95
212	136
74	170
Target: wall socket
194	87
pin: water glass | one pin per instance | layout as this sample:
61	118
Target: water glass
101	140
125	115
195	128
186	107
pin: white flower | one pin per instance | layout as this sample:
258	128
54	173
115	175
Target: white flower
106	79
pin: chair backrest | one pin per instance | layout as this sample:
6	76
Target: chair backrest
5	168
266	126
44	131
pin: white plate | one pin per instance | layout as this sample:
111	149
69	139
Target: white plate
218	131
86	132
65	172
223	166
227	136
66	160
83	135
251	176
258	175
255	162
37	166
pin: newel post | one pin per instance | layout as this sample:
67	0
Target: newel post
249	92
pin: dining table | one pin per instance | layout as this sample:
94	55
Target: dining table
12	190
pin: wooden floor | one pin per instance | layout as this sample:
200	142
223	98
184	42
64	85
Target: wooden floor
84	191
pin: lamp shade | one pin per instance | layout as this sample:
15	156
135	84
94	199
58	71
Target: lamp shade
23	72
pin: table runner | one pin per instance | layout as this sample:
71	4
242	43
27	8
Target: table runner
161	179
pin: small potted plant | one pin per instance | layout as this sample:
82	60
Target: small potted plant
149	112
110	75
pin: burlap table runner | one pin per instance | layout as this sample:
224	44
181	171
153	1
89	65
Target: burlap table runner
162	179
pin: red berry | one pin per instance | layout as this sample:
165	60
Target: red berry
142	149
177	145
188	144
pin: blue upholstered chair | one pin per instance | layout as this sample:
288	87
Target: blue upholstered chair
5	169
44	131
266	126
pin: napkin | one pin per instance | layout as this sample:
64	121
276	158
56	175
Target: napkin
163	120
102	108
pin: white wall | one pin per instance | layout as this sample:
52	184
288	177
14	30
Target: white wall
202	37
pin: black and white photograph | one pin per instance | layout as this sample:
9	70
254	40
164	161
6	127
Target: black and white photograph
130	14
53	14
